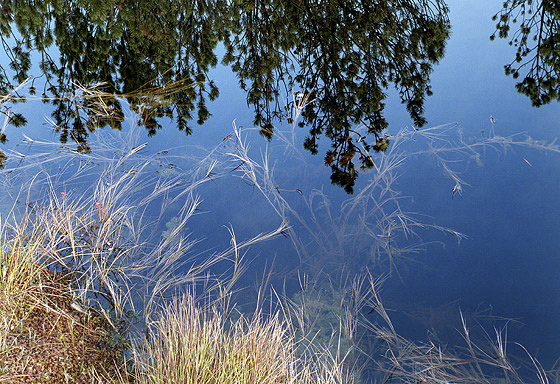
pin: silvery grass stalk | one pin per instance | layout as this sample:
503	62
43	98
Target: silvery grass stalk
373	226
407	361
368	223
95	213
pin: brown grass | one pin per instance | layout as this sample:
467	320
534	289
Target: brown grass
43	338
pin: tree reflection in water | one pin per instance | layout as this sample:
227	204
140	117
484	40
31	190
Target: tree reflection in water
345	55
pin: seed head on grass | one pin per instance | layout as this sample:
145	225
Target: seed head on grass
192	343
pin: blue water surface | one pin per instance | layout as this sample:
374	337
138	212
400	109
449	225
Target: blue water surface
506	268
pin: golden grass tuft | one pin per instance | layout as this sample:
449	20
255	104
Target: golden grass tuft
192	343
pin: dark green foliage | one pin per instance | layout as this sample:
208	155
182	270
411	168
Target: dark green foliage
537	41
17	120
346	54
132	47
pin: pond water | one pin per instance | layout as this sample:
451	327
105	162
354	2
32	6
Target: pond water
506	204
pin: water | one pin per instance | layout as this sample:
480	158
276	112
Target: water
506	268
509	209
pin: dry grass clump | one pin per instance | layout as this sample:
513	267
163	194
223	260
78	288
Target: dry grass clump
43	338
68	265
191	343
83	257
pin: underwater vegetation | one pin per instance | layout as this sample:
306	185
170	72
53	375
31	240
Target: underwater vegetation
105	242
373	229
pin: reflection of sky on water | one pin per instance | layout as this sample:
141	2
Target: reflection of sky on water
509	210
